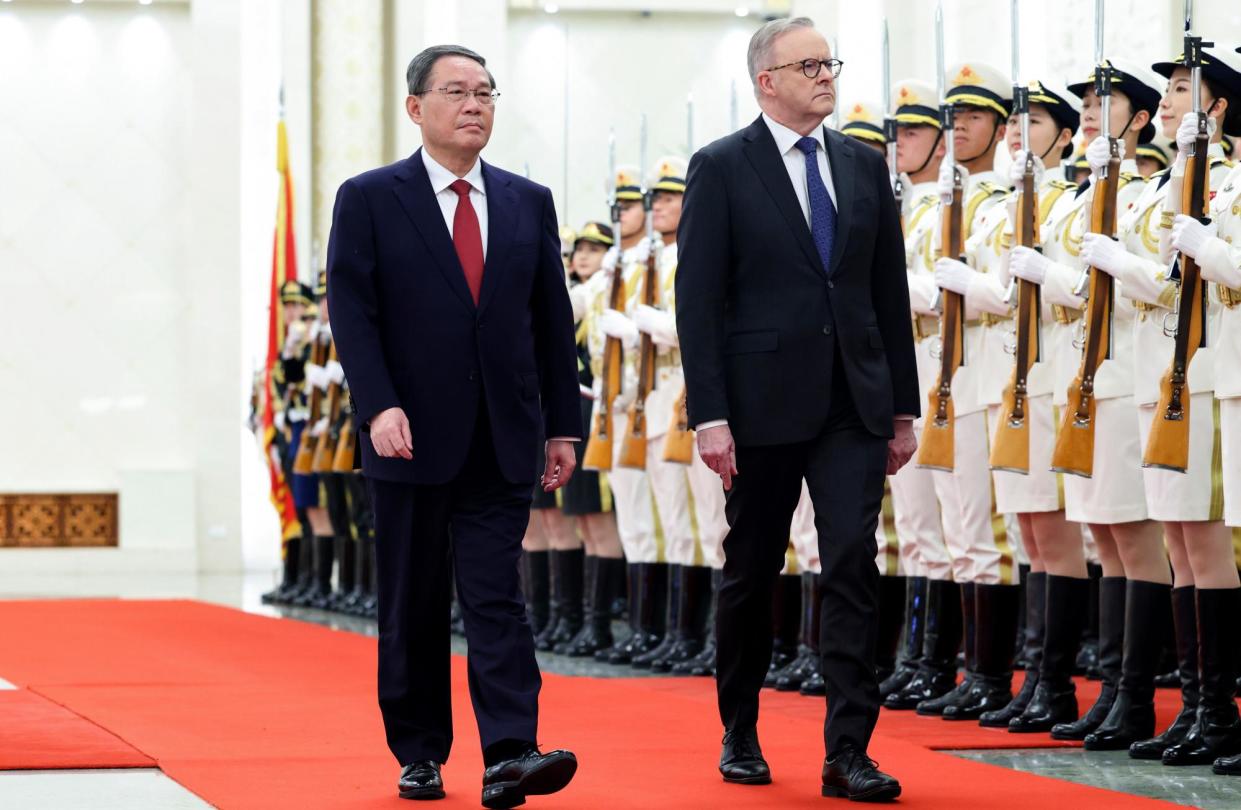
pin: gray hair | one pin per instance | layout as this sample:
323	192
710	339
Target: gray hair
419	71
758	55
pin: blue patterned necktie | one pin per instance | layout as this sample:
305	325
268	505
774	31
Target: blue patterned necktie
822	211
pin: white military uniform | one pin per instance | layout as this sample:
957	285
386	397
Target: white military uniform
1196	494
631	491
1041	489
977	541
1113	493
919	527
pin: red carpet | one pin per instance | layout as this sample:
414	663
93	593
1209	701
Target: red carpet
250	712
36	733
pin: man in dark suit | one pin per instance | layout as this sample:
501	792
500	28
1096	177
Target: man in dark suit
793	313
452	321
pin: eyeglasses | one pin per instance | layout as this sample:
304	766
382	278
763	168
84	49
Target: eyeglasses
456	95
811	67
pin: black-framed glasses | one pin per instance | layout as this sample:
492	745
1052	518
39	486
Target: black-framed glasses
810	67
458	95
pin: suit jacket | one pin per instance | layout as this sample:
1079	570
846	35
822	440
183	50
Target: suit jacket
760	318
409	335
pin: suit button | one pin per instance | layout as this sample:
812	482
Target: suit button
827	330
473	376
831	285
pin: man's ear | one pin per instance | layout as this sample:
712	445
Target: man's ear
413	108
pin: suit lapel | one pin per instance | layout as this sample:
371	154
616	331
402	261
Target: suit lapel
841	159
501	211
765	157
416	196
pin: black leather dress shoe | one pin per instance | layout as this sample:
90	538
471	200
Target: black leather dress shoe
850	774
508	783
742	761
421	780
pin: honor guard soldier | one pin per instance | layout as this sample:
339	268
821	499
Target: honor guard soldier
863	122
980	554
933	624
608	323
1184	473
587	500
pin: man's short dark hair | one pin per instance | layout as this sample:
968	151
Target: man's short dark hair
419	71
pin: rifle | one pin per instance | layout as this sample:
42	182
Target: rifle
346	458
1011	448
598	455
938	434
1167	447
679	440
325	448
303	462
633	445
1074	451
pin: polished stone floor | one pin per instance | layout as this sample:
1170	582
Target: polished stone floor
57	790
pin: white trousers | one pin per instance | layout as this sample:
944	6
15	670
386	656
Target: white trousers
919	527
708	493
631	499
670	484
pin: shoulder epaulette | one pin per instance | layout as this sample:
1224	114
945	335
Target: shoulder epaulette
1063	185
1128	177
1216	161
993	188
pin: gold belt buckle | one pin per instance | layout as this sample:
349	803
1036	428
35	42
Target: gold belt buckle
1229	297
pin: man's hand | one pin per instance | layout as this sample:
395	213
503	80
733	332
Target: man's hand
718	452
561	462
902	446
390	434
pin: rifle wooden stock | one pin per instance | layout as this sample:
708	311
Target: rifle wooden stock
598	455
937	448
1010	448
325	448
303	462
633	446
1167	446
679	443
1074	451
345	459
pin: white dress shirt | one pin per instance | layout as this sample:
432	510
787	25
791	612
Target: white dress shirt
441	179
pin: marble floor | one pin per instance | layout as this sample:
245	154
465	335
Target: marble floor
66	790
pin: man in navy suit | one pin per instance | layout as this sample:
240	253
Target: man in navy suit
452	321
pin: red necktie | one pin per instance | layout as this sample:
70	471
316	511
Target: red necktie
467	238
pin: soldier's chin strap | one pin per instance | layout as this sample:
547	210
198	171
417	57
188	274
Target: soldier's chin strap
930	155
995	129
1043	157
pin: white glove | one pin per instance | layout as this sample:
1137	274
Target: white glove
945	184
656	323
278	421
1028	264
316	376
610	259
616	325
325	333
335	372
317	429
641	251
953	275
295	337
1017	170
1105	253
1189	235
1100	152
1187	134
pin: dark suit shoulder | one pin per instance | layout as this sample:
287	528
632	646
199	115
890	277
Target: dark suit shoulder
518	183
726	146
381	176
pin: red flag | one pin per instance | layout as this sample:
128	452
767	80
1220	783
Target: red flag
283	268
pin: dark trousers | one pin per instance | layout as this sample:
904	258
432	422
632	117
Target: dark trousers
470	528
844	470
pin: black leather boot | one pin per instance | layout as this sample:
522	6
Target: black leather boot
786	626
703	664
670	616
536	579
996	608
1111	654
346	567
288	579
321	589
1185	623
911	650
935	706
937	671
305	560
630	588
1019	642
1132	717
891	618
555	601
813	684
695	600
355	605
569	578
1216	732
647	605
596	632
1055	698
1088	653
1032	653
789	679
